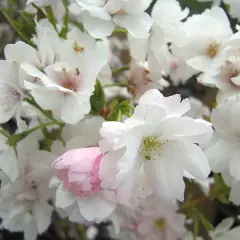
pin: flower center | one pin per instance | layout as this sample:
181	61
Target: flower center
212	49
160	224
77	48
151	148
72	80
120	13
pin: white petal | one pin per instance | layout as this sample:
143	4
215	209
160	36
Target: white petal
138	25
47	98
235	193
57	148
96	208
136	6
30	231
234	167
108	168
75	108
152	114
219	155
137	43
35	72
185	128
224	226
191	158
9	165
98	28
17	53
200	63
166	179
63	198
42	212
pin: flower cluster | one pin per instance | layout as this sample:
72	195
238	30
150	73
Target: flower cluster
98	138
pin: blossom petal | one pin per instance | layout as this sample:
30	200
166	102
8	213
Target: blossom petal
42	212
138	25
234	167
63	198
96	208
185	128
9	165
191	158
166	179
219	155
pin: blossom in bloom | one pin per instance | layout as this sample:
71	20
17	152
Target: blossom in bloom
24	202
223	151
101	16
78	170
155	147
226	79
206	46
66	89
174	67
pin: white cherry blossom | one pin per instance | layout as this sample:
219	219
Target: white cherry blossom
158	143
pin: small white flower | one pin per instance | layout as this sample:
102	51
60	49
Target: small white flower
158	141
68	89
206	45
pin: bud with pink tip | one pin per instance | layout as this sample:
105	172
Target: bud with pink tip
78	169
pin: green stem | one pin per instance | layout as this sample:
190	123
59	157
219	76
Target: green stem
195	227
20	34
14	139
119	70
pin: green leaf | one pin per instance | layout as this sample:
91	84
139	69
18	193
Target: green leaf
64	31
50	16
97	100
118	109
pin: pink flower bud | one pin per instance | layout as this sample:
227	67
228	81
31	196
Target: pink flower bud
78	169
